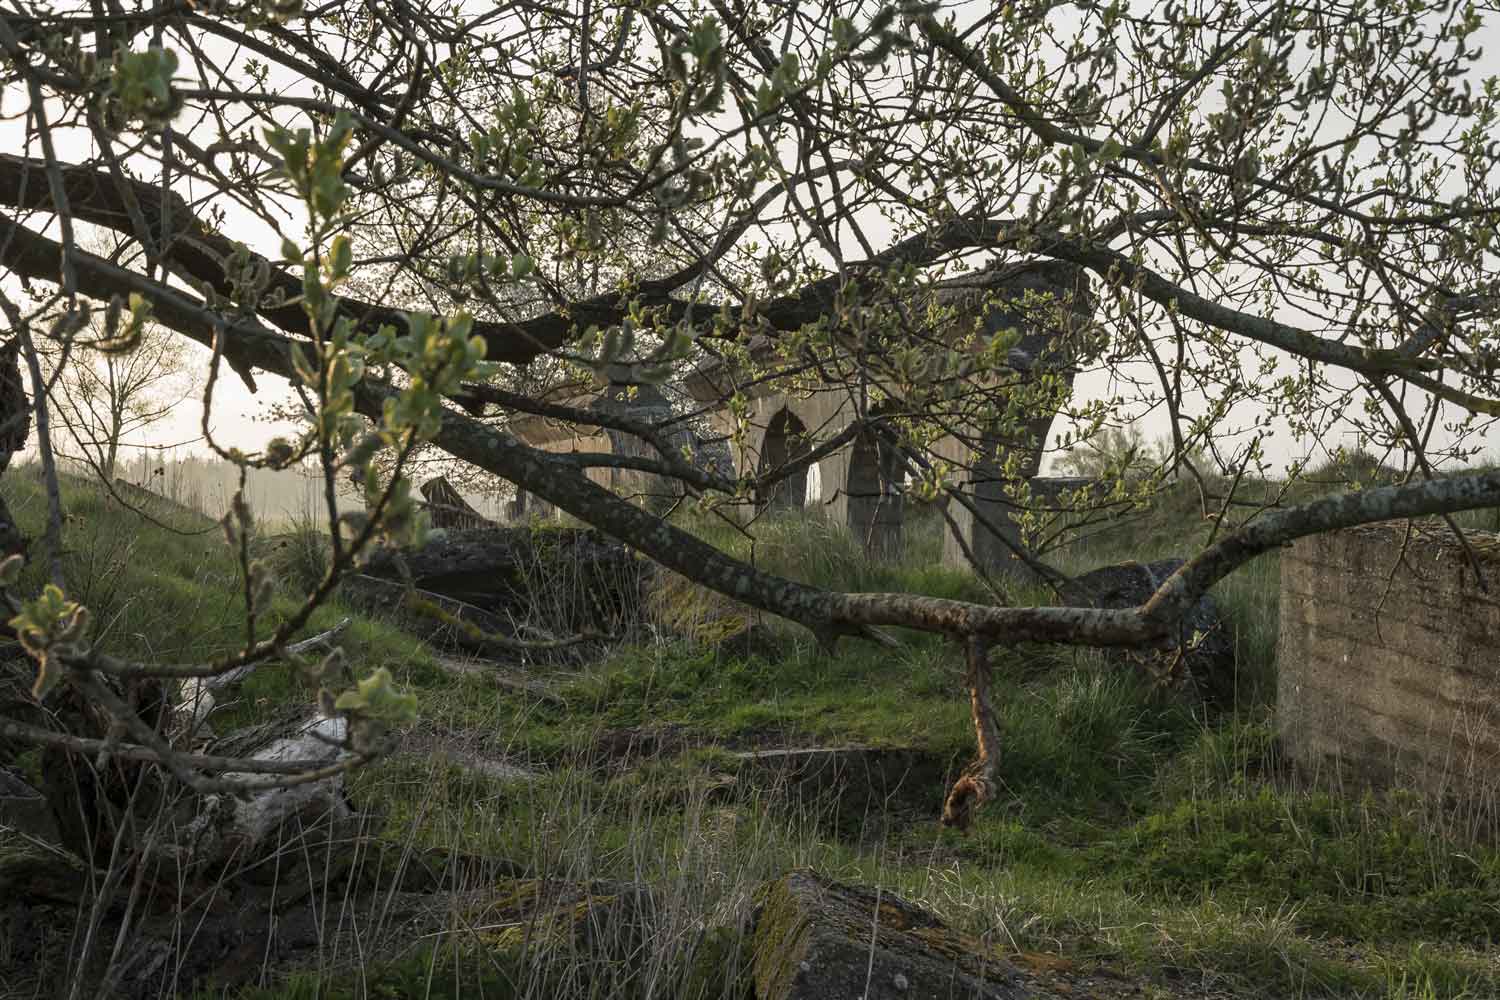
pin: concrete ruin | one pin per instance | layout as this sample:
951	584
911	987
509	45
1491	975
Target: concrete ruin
861	484
1388	673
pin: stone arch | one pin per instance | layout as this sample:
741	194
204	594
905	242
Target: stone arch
1000	461
786	439
873	489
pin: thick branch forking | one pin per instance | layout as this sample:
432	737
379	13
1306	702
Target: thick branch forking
823	611
845	613
827	614
198	251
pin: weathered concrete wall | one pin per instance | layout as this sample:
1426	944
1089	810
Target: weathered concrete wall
861	484
860	487
1389	663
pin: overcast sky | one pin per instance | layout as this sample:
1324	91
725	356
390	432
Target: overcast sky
240	419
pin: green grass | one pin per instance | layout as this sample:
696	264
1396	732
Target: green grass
1163	839
173	592
1355	870
806	692
1130	830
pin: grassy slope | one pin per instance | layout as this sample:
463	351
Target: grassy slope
1134	832
1131	832
170	590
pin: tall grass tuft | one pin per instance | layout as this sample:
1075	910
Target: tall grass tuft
302	553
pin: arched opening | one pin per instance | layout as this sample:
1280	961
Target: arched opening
874	495
786	439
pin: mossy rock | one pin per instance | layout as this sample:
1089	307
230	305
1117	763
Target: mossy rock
818	938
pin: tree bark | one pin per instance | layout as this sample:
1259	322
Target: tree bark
249	346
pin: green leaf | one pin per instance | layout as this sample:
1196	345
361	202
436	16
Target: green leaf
49	625
341	257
